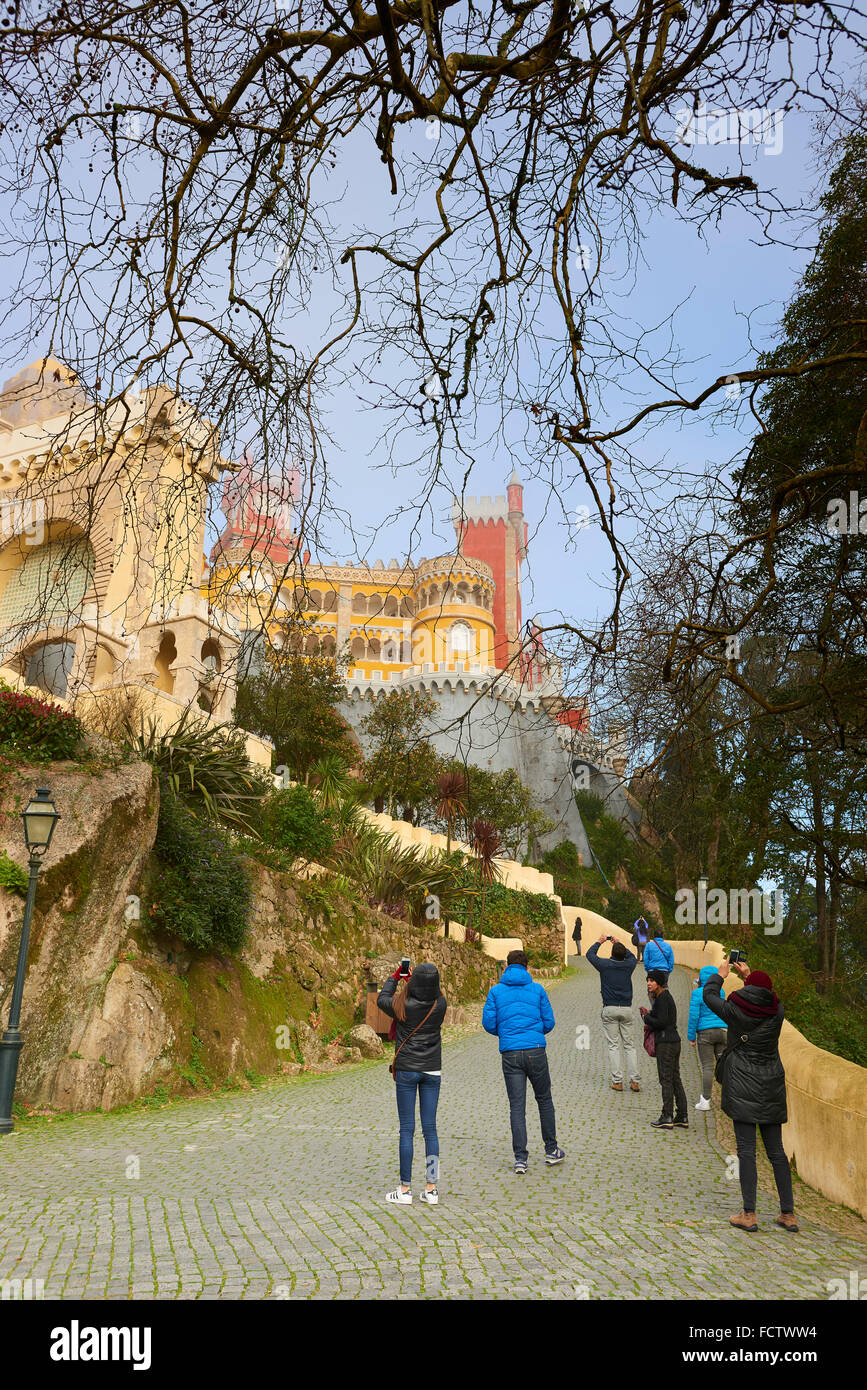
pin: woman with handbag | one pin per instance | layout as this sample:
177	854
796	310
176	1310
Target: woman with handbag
417	1067
662	1023
753	1082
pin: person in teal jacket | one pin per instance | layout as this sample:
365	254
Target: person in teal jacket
518	1012
658	955
704	1031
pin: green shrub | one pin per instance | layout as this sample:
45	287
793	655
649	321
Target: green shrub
508	911
12	876
31	730
539	959
201	890
294	820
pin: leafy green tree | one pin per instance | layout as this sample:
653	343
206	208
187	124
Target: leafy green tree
811	454
502	799
295	819
401	764
294	701
200	885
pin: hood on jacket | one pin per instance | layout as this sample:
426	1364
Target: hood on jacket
516	975
756	1001
706	973
424	983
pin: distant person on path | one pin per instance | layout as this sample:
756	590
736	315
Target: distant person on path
519	1013
640	936
662	1019
754	1084
658	955
704	1031
617	1016
419	1013
576	935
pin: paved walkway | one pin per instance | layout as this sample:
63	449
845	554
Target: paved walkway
278	1193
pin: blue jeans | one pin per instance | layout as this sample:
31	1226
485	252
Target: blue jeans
406	1083
517	1067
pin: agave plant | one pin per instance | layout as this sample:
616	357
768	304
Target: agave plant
206	767
486	846
401	880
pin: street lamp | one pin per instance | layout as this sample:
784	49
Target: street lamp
702	899
40	818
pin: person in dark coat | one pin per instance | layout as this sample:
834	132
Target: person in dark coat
754	1084
576	935
662	1020
419	1014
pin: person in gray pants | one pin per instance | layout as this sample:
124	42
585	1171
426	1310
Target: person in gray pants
705	1034
618	1019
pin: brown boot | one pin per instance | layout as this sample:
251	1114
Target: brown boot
786	1219
745	1221
617	1085
634	1086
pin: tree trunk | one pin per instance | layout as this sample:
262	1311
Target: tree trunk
833	918
822	925
448	852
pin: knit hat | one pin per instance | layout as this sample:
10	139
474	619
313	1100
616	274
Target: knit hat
757	998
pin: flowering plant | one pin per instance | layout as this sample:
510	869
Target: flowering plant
30	727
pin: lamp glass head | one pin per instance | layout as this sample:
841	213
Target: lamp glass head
40	818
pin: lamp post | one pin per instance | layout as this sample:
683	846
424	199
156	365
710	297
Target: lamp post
702	899
40	818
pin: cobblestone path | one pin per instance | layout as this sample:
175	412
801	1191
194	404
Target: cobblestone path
278	1193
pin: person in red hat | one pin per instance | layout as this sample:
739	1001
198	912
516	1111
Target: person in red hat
754	1084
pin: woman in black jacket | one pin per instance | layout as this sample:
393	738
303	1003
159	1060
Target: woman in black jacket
419	1013
662	1020
754	1084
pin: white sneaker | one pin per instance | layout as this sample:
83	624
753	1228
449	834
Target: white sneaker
399	1197
703	1104
432	1198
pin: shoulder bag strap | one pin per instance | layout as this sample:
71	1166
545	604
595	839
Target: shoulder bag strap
409	1035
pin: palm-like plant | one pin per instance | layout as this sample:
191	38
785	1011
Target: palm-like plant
451	788
329	779
399	879
206	767
486	846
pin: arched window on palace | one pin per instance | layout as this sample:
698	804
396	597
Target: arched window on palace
49	667
461	640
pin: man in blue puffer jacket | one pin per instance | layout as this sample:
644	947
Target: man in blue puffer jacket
519	1013
704	1029
658	955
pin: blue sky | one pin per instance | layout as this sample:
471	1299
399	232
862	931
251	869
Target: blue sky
717	278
